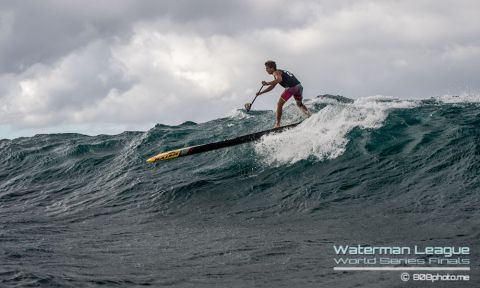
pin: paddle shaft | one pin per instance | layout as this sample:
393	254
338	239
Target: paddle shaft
256	95
250	106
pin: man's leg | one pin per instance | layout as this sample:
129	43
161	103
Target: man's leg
279	111
303	108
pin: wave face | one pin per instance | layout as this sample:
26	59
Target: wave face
77	210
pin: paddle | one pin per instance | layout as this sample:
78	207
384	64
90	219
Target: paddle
248	106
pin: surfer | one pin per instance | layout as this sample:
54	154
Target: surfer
292	88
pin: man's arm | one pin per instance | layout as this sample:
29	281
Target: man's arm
269	88
273	83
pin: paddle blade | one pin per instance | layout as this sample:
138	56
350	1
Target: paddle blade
248	106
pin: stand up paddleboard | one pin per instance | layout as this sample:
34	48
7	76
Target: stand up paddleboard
216	145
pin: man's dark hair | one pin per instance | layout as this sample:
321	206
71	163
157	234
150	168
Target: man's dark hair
271	64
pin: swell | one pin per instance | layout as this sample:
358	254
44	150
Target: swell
417	159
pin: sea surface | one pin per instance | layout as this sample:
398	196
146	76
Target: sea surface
88	211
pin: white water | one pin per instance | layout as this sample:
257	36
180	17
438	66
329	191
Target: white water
324	134
462	98
238	114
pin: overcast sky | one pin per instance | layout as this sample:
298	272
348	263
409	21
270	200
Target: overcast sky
107	66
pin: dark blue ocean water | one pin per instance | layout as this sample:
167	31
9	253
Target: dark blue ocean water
88	211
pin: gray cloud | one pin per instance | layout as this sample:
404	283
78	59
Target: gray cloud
45	30
134	63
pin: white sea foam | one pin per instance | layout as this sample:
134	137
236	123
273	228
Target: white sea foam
462	98
238	114
323	135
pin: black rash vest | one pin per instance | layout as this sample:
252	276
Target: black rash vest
288	79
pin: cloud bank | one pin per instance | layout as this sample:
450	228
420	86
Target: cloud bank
111	66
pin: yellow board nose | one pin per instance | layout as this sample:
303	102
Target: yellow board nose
165	156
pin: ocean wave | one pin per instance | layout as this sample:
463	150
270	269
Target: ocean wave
324	135
461	98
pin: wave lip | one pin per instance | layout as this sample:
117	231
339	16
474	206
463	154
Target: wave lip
324	135
462	98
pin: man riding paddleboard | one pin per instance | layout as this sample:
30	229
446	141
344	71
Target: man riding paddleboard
292	86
